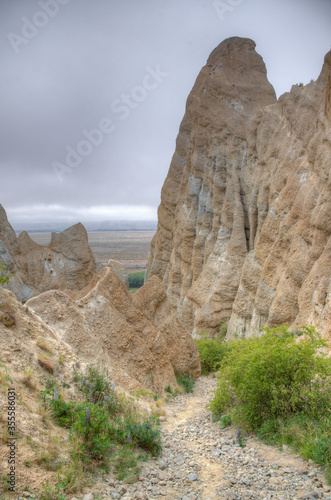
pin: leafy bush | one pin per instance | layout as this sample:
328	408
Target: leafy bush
225	421
136	280
4	277
146	435
211	352
272	376
63	412
95	430
103	424
187	382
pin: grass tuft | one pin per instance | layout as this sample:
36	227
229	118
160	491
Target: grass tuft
46	363
42	344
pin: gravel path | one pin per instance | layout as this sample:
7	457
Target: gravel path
202	462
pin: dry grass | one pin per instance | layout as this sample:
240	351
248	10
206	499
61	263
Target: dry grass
49	458
4	377
29	381
42	344
46	363
160	402
45	414
4	434
160	410
31	442
4	380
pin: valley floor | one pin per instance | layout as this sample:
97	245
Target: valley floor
200	461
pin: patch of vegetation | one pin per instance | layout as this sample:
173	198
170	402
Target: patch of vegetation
29	380
225	421
106	429
49	460
4	377
278	385
42	344
4	276
47	363
136	280
126	464
212	351
185	381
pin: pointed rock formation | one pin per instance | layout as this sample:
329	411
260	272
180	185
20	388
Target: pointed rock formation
67	262
244	223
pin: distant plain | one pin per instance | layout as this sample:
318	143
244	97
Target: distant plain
129	247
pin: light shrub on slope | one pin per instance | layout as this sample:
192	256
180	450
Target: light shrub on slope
276	375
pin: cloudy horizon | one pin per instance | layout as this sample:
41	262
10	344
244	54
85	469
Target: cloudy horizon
94	92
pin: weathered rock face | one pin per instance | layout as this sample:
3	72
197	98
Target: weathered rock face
16	285
104	322
120	270
245	216
67	262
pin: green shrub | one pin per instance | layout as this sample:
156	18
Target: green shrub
225	421
272	376
4	277
146	435
211	352
136	280
187	382
103	424
63	412
96	432
96	387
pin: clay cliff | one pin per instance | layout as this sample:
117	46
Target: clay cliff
66	263
244	222
138	337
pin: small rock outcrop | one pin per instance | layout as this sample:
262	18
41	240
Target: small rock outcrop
131	335
244	223
66	263
120	270
16	285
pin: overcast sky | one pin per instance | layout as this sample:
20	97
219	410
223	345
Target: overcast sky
123	70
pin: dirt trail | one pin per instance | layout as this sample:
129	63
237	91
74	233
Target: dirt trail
181	414
204	462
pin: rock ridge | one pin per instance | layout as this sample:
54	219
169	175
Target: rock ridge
244	222
66	263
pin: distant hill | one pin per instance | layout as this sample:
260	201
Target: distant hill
109	225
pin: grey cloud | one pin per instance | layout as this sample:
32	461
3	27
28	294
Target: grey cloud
93	52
